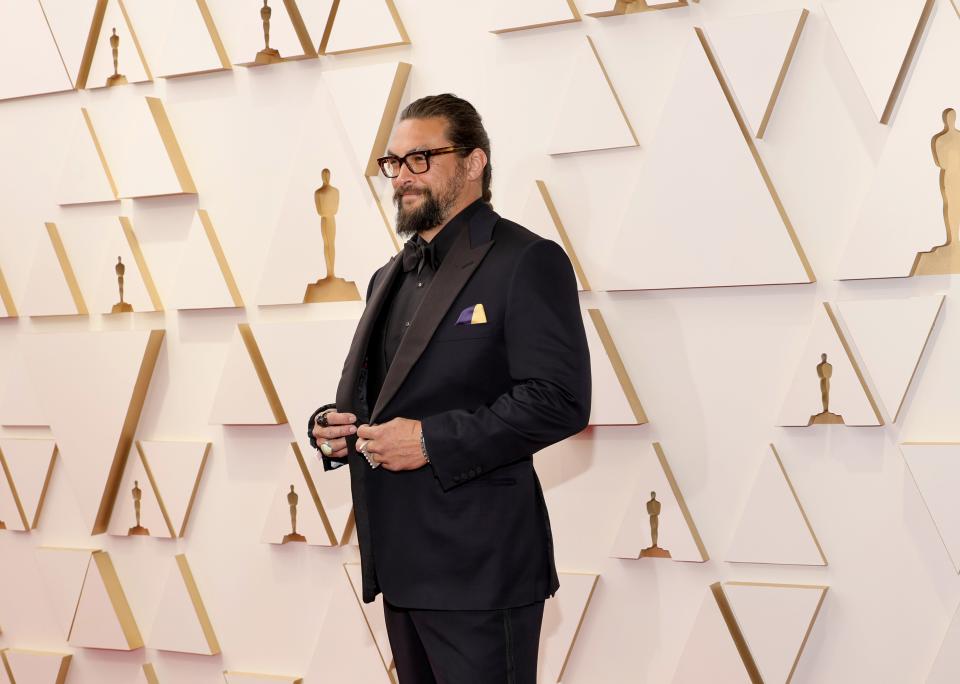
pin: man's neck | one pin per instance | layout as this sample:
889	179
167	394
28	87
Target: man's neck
460	205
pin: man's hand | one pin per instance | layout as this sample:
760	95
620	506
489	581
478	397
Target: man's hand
395	444
340	425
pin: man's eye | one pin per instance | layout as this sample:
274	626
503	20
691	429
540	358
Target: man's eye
417	158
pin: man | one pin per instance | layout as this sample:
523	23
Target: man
469	357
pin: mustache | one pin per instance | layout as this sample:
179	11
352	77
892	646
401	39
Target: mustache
398	194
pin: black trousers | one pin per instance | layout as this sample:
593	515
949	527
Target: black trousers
465	646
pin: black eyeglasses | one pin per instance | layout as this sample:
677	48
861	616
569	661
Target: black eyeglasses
417	161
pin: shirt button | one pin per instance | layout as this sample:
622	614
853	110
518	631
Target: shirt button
407	324
419	284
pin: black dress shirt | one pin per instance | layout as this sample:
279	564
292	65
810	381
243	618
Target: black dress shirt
406	295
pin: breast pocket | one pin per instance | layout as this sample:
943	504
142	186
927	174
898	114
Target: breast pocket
457	325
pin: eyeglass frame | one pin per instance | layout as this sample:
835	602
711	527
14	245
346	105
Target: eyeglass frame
437	151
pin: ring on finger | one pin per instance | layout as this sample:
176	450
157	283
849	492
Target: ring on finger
325	447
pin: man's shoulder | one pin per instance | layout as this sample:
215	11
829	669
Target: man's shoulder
510	235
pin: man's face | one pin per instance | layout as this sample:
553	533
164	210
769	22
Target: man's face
424	200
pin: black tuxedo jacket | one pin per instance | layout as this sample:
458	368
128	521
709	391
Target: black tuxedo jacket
470	530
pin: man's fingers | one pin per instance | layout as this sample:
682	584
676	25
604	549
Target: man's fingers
334	418
320	434
339	453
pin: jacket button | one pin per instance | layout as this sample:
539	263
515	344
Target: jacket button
457	478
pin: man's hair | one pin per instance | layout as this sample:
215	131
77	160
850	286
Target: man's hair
464	126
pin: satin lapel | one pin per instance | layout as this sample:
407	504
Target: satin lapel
454	272
346	390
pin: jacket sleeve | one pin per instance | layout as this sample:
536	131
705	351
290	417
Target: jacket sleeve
549	364
328	462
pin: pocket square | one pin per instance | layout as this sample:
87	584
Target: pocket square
472	315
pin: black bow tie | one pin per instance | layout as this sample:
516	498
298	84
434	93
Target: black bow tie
417	253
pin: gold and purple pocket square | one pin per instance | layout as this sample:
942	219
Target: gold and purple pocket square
472	315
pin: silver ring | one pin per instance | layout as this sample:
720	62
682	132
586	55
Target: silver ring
325	447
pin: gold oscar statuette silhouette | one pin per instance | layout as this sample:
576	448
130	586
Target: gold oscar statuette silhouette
653	510
267	55
116	78
121	307
824	372
945	146
329	288
137	529
3	525
292	499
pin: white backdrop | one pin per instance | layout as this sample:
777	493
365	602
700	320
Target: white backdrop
712	366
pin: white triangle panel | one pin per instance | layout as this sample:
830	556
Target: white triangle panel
24	34
174	37
63	572
37	667
309	522
29	463
176	468
610	404
936	470
589	115
775	620
104	619
240	398
508	16
364	25
182	623
562	618
710	654
773	527
18	399
204	274
124	516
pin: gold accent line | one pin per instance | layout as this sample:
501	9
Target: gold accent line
214	34
76	607
956	7
398	22
787	60
796	498
621	371
383	214
13	490
56	44
314	494
118	599
306	43
66	268
913	373
171	145
574	17
7	298
46	484
678	495
155	488
907	61
390	110
357	596
141	263
853	361
348	527
196	488
564	238
136	41
328	27
100	153
6	665
96	25
736	634
576	632
279	678
813	618
150	674
125	442
202	616
221	257
260	366
748	137
613	91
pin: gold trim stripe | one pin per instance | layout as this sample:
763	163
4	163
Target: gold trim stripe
141	263
736	634
125	441
390	110
574	17
100	153
7	298
221	257
314	494
564	238
781	77
201	611
118	599
214	34
853	361
681	502
260	366
67	268
174	153
796	498
621	371
331	20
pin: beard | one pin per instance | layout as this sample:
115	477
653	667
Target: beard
433	209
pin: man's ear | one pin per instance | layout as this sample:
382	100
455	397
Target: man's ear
476	162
